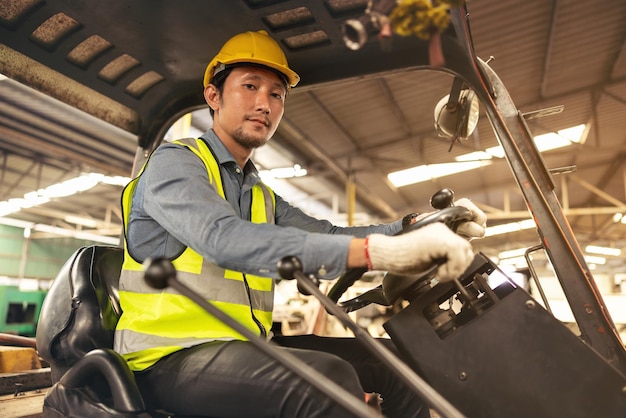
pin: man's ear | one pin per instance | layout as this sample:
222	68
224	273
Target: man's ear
212	96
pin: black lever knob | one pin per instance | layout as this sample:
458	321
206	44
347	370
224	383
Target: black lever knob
158	271
444	198
288	266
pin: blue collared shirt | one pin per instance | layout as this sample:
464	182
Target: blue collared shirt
175	206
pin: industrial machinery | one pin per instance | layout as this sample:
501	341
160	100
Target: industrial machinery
492	350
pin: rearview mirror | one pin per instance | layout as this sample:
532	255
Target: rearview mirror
457	119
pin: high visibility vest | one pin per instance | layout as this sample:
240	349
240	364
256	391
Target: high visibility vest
155	323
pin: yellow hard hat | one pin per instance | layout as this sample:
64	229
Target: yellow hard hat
256	48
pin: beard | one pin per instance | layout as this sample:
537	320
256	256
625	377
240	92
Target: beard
249	141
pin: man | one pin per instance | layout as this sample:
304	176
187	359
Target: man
200	203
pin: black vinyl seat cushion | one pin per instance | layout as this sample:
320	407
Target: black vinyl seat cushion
75	335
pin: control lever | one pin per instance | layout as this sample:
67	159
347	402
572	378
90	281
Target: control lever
443	199
160	273
446	213
291	268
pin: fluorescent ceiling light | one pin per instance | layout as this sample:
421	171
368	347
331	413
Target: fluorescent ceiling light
432	171
82	221
283	172
544	142
66	188
619	217
594	249
49	229
477	159
575	134
510	227
474	156
593	259
497	152
63	189
115	180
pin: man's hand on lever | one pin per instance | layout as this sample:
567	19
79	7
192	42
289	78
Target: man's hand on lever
443	199
476	227
416	251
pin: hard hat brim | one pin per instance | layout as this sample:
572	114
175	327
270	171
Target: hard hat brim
290	76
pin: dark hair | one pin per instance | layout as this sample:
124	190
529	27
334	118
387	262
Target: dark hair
219	79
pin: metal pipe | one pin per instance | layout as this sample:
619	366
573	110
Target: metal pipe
10	339
160	273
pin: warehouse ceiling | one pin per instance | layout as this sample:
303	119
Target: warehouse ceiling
113	74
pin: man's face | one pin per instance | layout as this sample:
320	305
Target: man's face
250	108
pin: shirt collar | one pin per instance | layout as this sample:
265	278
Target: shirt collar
223	156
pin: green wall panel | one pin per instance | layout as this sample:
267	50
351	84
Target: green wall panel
44	257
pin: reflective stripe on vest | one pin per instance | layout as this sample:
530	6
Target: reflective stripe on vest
155	322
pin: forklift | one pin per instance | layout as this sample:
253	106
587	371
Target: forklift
468	348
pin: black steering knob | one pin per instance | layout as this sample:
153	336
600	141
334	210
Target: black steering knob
444	198
158	272
288	266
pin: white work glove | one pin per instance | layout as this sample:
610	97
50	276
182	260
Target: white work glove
476	227
416	251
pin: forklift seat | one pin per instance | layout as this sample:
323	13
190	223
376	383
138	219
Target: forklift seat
75	335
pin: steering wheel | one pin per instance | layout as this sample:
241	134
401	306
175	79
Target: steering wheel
388	292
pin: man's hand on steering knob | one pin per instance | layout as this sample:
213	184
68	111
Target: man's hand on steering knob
416	251
477	226
474	228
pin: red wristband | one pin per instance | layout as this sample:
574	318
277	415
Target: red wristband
367	254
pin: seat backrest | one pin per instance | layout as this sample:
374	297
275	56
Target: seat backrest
81	309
